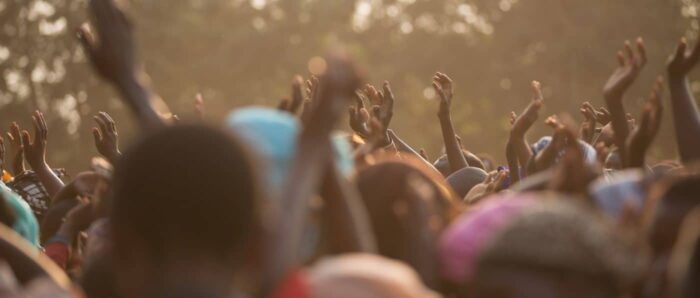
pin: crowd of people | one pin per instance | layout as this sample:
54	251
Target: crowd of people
277	202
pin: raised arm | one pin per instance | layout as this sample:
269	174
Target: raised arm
521	124
35	153
313	154
114	58
630	65
345	214
686	121
443	87
643	135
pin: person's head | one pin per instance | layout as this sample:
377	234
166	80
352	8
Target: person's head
465	179
669	201
684	265
271	136
404	200
365	275
182	195
554	249
442	165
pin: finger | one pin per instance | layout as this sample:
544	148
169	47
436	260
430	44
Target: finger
629	52
97	136
537	90
297	94
42	122
680	50
364	115
25	139
101	123
87	40
14	130
37	128
388	95
621	58
110	121
439	91
352	113
641	49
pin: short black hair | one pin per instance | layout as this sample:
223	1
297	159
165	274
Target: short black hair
182	191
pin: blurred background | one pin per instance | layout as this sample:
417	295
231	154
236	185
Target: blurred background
245	52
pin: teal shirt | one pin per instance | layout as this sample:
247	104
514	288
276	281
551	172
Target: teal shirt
25	223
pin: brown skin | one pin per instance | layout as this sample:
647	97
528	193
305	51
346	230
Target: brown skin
15	138
444	88
686	121
630	66
35	154
115	60
521	124
308	168
643	135
106	137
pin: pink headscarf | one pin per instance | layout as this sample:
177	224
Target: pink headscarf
462	241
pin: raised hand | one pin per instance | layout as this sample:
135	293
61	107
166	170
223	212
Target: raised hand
443	87
603	116
521	124
641	138
572	174
686	121
35	151
621	79
15	138
113	55
588	125
313	155
106	137
683	60
630	65
35	154
359	117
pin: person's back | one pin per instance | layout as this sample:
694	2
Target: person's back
184	210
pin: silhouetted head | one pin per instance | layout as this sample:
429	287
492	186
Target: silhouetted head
555	249
442	165
183	195
402	197
465	179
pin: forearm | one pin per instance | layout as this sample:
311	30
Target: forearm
685	119
521	149
513	167
619	124
345	215
403	147
18	163
48	178
454	152
302	182
138	98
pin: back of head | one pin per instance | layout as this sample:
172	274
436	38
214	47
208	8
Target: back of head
443	166
365	275
555	249
184	191
463	180
385	190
